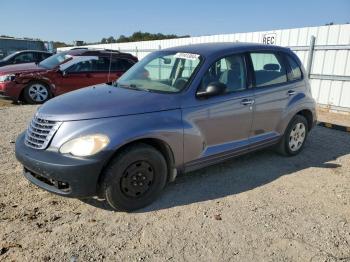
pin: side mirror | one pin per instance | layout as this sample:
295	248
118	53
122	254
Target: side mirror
64	73
213	89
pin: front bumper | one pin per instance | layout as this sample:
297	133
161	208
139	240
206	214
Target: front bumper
11	89
59	174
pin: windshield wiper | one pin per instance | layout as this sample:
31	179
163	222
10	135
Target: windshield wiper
132	86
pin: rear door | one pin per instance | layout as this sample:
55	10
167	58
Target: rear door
272	93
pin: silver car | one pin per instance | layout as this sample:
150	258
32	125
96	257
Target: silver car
177	110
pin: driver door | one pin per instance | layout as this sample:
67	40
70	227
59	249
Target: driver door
220	125
82	74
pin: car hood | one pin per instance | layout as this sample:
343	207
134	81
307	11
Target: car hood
105	101
21	68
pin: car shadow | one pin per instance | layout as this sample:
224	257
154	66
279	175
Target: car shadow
248	172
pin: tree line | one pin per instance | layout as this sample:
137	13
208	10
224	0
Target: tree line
139	36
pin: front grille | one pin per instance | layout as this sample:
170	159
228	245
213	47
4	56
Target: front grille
40	132
60	185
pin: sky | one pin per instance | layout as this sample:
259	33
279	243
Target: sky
90	21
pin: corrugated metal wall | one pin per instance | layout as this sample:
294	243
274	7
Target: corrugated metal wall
10	45
330	71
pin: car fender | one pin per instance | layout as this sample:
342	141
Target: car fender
165	126
298	103
25	79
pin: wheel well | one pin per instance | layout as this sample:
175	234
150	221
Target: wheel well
158	144
308	115
21	98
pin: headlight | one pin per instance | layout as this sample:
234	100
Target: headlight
85	145
7	78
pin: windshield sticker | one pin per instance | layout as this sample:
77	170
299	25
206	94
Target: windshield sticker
187	56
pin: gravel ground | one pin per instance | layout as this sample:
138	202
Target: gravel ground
259	207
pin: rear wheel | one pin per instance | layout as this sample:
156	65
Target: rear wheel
134	178
294	137
36	93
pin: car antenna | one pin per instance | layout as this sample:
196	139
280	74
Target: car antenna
110	63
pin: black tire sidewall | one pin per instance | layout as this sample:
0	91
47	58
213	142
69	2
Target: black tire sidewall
27	97
114	172
296	119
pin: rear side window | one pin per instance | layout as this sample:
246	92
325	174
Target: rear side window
101	65
295	69
120	64
43	56
268	69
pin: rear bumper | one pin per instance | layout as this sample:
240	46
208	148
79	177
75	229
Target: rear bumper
59	174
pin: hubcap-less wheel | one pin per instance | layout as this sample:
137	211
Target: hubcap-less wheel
297	137
38	93
137	179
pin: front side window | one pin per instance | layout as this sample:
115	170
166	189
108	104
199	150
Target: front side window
84	66
162	71
268	69
229	71
24	58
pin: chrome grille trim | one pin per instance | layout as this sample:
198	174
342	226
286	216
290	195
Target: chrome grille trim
40	132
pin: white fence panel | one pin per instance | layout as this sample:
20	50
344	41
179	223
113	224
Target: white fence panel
330	71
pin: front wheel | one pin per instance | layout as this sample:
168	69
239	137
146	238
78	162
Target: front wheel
294	137
36	93
134	178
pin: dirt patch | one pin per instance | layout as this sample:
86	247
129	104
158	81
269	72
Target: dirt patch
260	207
4	102
337	118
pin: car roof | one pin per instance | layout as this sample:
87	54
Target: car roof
98	52
208	49
36	51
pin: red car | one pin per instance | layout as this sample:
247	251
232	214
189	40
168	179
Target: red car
35	83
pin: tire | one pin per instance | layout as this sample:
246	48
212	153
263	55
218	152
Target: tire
36	93
134	178
294	138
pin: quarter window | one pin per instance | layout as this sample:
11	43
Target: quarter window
268	69
229	71
296	71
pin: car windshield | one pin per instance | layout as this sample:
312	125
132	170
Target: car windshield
54	60
162	71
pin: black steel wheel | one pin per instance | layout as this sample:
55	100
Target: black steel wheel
137	179
134	178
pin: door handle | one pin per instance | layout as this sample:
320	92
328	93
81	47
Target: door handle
291	92
246	102
88	75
